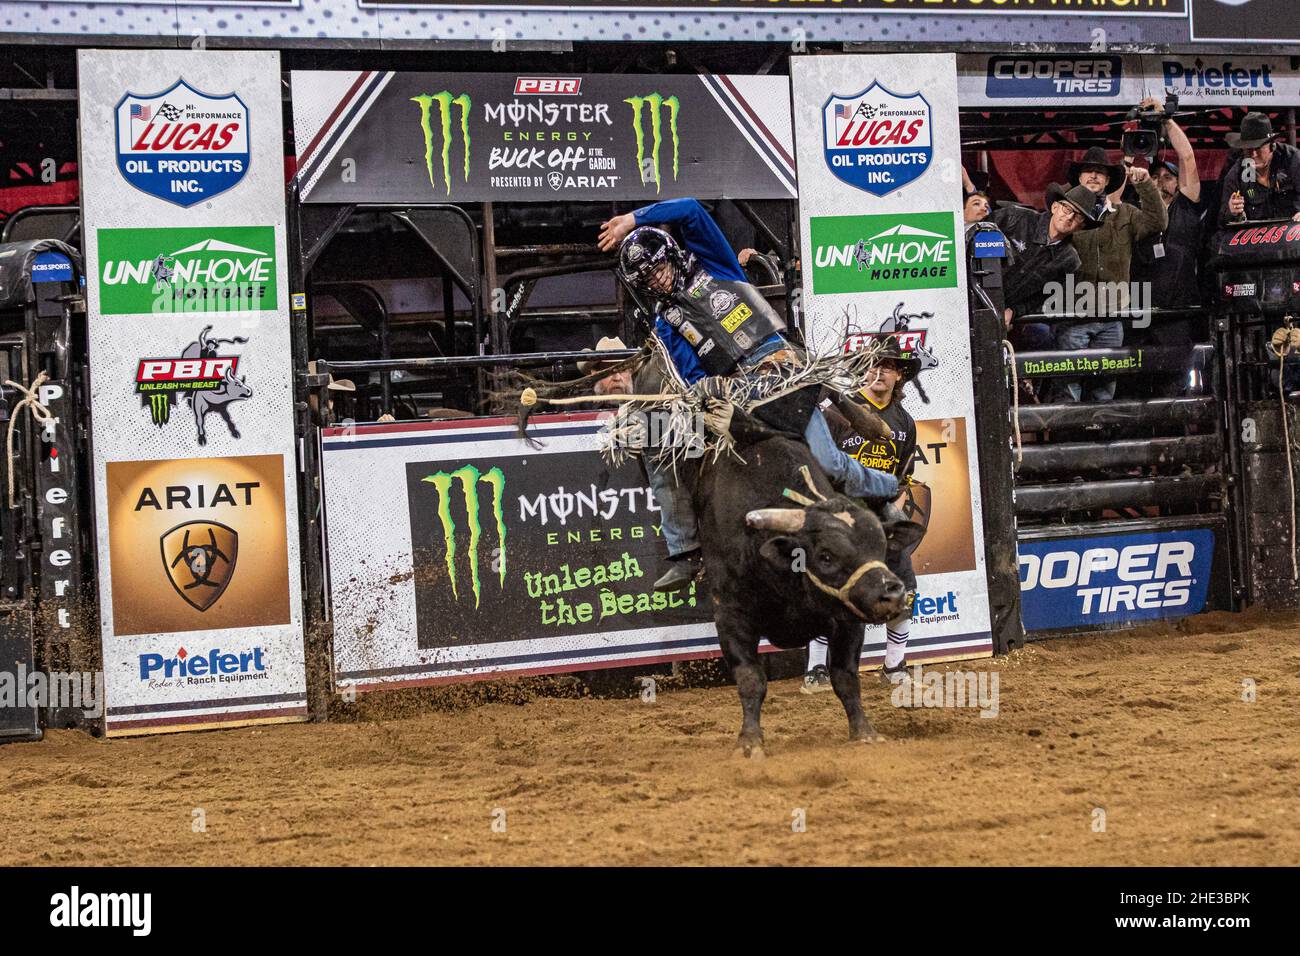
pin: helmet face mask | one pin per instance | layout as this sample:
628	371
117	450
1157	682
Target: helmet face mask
652	262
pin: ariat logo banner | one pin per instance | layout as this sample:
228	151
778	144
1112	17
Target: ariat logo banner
200	560
197	544
463	484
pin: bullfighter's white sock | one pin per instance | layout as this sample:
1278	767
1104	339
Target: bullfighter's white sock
896	632
817	650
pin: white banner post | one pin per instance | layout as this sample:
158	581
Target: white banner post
183	219
880	197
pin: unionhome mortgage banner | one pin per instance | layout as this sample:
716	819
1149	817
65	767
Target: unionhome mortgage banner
370	136
191	388
883	255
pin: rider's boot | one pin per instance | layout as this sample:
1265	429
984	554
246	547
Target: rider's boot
682	569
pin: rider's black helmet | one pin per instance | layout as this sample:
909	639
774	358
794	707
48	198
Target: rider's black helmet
644	249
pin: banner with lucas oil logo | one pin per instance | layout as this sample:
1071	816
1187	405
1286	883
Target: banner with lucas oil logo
879	154
191	388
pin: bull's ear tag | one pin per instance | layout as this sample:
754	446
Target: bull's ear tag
796	497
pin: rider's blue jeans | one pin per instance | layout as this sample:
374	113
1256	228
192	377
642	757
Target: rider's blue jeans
857	480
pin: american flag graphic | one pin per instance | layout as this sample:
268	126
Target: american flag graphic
140	112
843	111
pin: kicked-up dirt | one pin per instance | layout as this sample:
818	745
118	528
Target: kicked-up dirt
1137	748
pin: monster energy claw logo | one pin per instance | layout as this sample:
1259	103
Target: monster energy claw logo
469	479
445	102
656	103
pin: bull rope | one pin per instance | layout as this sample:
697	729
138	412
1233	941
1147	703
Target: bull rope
39	412
1283	342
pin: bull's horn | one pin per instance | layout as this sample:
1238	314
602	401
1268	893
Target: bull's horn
777	519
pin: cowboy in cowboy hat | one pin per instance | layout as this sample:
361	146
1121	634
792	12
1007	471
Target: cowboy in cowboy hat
1040	252
1093	171
615	383
1271	190
1106	256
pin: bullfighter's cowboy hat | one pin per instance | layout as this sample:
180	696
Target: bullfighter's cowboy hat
908	362
1096	156
1081	198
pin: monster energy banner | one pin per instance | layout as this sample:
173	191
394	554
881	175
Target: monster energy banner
472	553
469	137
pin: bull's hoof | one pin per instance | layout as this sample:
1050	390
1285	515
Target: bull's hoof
753	749
234	433
867	735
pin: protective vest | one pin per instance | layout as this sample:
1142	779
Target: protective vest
721	320
894	455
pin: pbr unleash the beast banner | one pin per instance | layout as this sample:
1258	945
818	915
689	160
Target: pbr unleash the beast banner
884	256
472	553
383	137
191	389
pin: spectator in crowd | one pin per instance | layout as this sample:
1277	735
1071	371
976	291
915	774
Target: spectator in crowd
1264	183
1169	260
1039	252
976	207
1106	255
615	383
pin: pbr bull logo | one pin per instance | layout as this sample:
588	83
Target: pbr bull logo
199	557
909	329
467	478
877	140
182	145
206	379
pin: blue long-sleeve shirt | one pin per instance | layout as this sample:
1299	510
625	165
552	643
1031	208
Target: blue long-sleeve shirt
702	237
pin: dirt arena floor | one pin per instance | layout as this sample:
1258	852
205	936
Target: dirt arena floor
1150	727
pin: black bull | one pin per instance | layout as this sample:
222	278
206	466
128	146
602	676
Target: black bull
789	573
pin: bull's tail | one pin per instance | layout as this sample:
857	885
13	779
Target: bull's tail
542	390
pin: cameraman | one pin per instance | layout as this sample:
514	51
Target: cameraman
1169	259
1265	182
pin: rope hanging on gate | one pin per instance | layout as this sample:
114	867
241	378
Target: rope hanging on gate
1015	399
1286	340
39	412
